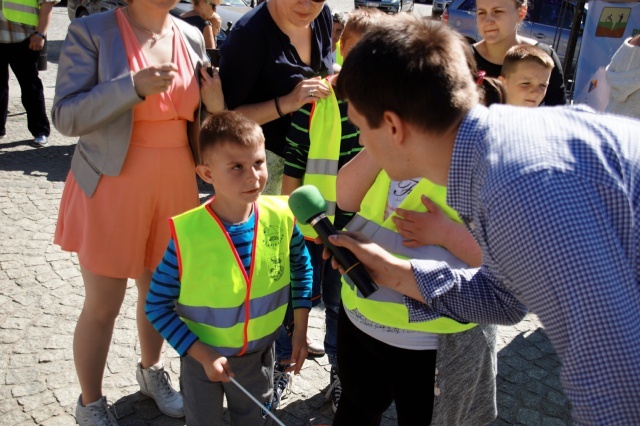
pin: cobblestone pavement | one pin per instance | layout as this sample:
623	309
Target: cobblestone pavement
41	295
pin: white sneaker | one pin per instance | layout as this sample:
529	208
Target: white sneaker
41	140
95	414
156	383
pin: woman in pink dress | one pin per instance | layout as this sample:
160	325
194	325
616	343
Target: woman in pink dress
132	85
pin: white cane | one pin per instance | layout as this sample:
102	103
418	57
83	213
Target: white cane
265	409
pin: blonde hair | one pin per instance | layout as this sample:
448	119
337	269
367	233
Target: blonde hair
359	21
525	53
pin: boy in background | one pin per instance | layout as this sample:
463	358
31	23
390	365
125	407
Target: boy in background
525	73
221	291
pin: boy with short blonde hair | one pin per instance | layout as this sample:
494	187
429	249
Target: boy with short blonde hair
525	73
222	289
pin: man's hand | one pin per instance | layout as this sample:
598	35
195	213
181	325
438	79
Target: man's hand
384	268
635	41
36	42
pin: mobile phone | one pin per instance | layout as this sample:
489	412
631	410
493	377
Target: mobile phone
210	71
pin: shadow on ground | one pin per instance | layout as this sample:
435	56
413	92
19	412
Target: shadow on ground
53	161
528	383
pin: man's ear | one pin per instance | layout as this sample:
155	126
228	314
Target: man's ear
397	127
204	172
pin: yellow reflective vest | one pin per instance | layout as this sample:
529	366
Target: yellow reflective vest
339	58
228	310
22	11
387	306
325	136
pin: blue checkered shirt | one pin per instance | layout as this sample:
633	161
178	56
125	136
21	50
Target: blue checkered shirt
552	195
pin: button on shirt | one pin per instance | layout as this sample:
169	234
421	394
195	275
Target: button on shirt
554	197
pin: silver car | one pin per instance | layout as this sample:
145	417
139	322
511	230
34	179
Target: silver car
229	10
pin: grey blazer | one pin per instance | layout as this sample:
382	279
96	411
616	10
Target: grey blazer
95	95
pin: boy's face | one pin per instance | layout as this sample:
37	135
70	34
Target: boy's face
527	84
238	174
379	144
336	32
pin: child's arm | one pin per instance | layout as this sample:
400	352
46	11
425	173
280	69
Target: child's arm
216	366
160	303
301	286
434	227
160	309
354	180
296	153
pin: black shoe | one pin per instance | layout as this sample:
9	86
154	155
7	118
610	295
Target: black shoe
335	389
281	384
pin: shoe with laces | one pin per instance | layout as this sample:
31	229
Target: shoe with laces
156	384
41	140
335	389
95	414
281	385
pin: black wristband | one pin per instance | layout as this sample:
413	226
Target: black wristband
39	34
277	99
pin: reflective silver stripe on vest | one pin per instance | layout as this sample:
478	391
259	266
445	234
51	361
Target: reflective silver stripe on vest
392	242
331	208
322	167
253	346
228	317
21	8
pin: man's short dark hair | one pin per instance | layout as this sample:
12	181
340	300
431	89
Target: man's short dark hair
416	68
229	127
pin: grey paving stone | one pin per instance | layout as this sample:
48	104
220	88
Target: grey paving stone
41	295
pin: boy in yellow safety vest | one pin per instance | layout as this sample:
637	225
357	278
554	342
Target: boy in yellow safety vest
232	266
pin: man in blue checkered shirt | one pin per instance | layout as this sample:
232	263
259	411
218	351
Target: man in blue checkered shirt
552	196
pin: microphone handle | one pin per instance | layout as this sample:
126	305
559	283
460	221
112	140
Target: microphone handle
354	269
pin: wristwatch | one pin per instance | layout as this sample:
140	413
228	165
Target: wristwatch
39	34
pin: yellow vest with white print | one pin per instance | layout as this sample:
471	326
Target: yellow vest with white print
228	310
325	135
22	11
387	306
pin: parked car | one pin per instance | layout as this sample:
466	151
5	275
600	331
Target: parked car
229	10
439	6
388	6
541	22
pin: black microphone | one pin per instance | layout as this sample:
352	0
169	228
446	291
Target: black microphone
309	207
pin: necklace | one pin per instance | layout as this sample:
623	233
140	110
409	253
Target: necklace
154	37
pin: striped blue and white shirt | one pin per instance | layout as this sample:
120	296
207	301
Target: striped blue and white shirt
165	284
552	195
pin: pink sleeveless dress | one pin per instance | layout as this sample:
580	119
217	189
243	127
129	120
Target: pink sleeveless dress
123	228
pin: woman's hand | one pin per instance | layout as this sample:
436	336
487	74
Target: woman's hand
153	80
305	92
211	90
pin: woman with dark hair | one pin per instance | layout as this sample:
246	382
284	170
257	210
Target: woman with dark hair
498	22
271	65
